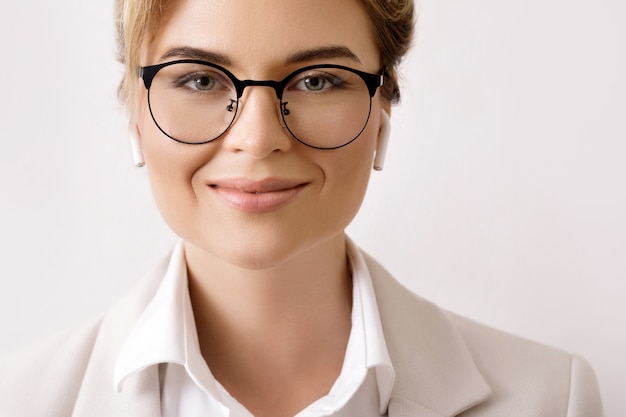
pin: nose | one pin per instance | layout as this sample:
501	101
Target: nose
258	129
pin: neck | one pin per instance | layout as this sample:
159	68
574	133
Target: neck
274	331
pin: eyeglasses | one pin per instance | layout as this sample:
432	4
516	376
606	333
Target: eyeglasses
323	106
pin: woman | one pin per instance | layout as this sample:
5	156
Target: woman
259	123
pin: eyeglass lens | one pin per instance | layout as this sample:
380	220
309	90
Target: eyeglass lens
322	107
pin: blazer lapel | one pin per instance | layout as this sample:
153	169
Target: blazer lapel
140	394
435	373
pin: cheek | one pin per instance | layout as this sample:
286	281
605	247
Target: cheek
358	162
167	158
171	169
349	171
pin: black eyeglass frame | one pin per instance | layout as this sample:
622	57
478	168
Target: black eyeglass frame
372	81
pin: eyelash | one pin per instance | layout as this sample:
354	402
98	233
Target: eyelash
333	80
182	81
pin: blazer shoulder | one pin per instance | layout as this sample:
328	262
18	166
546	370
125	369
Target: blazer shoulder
522	377
554	382
44	379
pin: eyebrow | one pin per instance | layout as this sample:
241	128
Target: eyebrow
325	52
187	52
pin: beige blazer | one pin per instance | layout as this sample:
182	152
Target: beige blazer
445	365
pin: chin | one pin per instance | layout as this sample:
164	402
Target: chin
263	255
270	244
267	251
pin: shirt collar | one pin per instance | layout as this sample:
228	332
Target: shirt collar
376	354
165	332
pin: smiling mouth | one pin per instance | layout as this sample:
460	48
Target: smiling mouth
257	196
254	192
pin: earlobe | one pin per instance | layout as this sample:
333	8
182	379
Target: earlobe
135	148
383	141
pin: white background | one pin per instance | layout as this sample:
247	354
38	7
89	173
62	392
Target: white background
503	196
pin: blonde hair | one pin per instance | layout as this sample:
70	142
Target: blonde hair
393	23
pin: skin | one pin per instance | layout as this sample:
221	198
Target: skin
270	291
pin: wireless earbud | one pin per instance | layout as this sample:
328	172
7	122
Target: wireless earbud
135	148
383	141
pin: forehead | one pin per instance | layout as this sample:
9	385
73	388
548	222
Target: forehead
257	36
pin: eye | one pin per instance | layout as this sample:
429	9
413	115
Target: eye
314	83
202	83
318	82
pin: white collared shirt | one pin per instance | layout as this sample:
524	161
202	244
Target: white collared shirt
165	333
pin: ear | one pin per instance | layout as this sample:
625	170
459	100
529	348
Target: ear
383	141
135	147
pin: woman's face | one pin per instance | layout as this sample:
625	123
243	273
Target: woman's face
256	197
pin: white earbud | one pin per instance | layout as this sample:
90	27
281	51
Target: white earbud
383	141
135	148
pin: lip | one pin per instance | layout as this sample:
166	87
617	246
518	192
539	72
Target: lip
257	196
